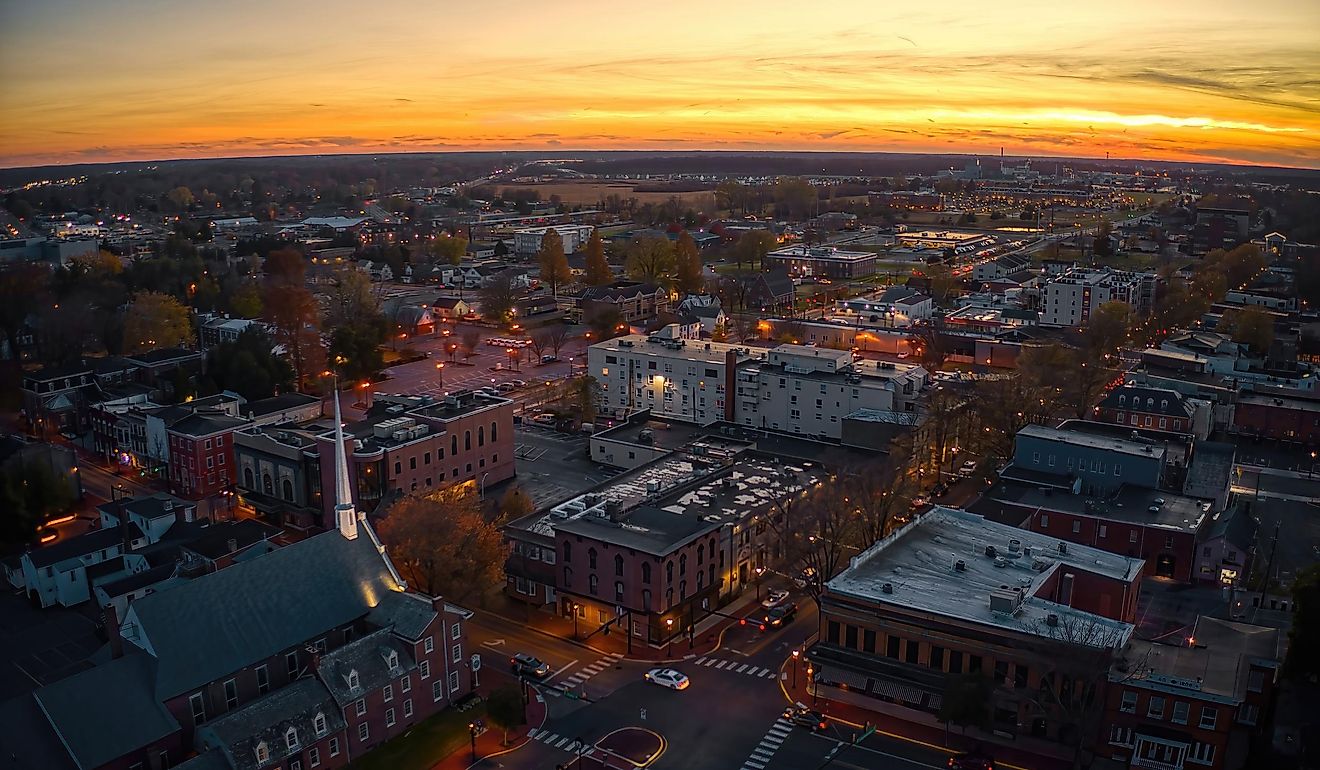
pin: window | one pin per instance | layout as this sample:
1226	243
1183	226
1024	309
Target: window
457	653
1209	717
568	552
453	681
891	646
392	660
1132	536
437	690
591	558
1155	709
1249	713
263	679
314	755
318	724
407	708
231	695
425	668
912	650
1255	680
406	685
1044	521
1104	530
198	708
334	746
937	658
428	645
389	693
593	583
291	738
353	681
291	664
1180	710
455	631
1202	753
364	732
1120	736
361	706
1076	527
389	717
263	753
398	467
618	564
955	662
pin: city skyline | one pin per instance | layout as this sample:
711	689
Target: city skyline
148	81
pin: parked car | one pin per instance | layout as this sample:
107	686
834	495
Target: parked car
967	469
667	677
548	359
940	490
972	760
544	418
802	716
806	576
505	387
518	383
522	663
774	597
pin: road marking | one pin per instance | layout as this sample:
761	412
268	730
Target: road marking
561	743
721	664
532	733
551	739
755	765
702	660
741	669
563	668
492	643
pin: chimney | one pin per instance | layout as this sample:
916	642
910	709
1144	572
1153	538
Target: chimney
111	617
1066	589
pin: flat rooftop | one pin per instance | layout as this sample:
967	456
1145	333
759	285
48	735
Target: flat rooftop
1174	512
820	253
690	350
1213	664
1076	438
917	564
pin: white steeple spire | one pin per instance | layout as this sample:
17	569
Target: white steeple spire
345	516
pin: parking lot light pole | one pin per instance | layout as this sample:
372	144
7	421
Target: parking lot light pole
440	370
796	655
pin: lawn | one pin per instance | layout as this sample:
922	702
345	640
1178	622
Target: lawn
425	744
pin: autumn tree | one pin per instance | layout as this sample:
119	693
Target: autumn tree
1106	329
598	271
582	394
929	346
515	503
350	299
469	341
554	265
249	366
688	277
245	302
292	312
1251	326
943	283
651	260
606	322
156	320
751	248
449	249
442	545
498	297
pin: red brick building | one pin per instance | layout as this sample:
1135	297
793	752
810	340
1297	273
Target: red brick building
1200	702
1282	414
201	448
1142	407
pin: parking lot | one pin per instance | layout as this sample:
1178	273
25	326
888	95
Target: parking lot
554	466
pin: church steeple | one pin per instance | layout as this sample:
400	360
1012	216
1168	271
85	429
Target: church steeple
345	515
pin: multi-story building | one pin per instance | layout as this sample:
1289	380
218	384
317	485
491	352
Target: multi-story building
821	261
1282	414
309	655
655	549
1200	700
1099	464
279	472
1142	407
1070	299
810	390
416	443
952	594
676	378
527	242
201	459
897	306
631	301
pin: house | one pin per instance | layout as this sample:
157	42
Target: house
826	261
1001	267
310	654
632	301
414	320
57	573
201	453
711	317
769	291
1099	464
1282	414
1148	408
378	271
1227	547
450	308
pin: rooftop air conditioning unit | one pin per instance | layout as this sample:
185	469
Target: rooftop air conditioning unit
959	566
1052	620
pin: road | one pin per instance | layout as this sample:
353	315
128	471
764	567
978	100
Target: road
731	716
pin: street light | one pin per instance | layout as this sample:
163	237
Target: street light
669	630
440	370
512	353
796	655
811	671
472	733
759	571
573	608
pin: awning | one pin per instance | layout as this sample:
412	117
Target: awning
839	676
899	692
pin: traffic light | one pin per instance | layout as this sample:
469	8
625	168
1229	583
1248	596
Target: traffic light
742	621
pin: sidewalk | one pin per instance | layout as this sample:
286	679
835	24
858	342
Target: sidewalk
924	735
489	743
706	636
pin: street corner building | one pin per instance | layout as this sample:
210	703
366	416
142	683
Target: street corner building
307	656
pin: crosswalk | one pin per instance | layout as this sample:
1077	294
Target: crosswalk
765	750
581	676
738	668
555	740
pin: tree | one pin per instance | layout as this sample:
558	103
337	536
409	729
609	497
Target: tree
688	278
554	265
181	198
1102	247
558	338
1106	330
819	530
582	394
605	322
156	320
651	260
943	283
598	271
469	341
249	366
22	292
966	701
751	248
504	708
356	347
442	545
245	302
350	299
1304	637
539	342
498	297
1250	326
293	315
929	346
30	493
515	503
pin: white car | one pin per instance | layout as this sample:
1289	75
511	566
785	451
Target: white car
774	597
667	677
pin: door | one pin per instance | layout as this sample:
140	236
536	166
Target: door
1165	565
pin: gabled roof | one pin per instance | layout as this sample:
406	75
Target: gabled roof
1236	526
79	545
107	711
224	621
1169	403
206	424
407	613
268	719
448	303
216	540
156	506
369	657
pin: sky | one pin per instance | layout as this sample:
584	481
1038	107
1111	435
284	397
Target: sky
1211	80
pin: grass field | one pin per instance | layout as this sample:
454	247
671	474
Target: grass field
591	193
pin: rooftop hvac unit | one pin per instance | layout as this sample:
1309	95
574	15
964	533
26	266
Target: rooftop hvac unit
1005	601
959	566
1052	620
1063	547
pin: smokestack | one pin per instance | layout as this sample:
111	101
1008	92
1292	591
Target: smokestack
111	618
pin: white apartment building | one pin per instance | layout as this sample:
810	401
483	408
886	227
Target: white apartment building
1070	298
685	380
809	390
527	241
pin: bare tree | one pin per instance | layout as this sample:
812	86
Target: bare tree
539	342
469	341
558	336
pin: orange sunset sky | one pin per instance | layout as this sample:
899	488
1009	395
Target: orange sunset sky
1214	80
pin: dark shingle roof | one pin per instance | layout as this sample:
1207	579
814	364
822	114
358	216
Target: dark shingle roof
216	539
206	424
1169	403
1236	526
408	614
107	711
138	580
268	719
151	507
368	656
221	622
278	404
28	739
77	546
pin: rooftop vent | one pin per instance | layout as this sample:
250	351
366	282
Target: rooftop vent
1052	620
960	566
1001	561
991	551
1015	546
887	588
1063	547
1005	601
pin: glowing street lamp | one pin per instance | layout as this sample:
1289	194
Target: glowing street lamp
440	370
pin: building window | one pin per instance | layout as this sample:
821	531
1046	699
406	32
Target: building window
407	708
1104	530
353	681
389	693
1120	735
1209	718
198	708
263	753
437	690
1132	536
314	754
458	653
389	717
428	645
453	681
618	564
334	746
360	707
1155	709
364	732
1256	679
291	739
1044	521
318	724
568	552
1202	753
591	558
231	695
646	572
1180	709
406	684
1249	713
291	664
892	643
425	668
